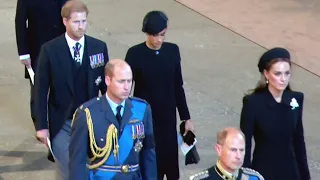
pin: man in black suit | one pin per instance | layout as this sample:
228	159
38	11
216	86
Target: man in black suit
44	24
71	70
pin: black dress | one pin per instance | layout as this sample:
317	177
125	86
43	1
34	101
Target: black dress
158	80
280	151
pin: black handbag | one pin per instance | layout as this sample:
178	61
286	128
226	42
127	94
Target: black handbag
192	157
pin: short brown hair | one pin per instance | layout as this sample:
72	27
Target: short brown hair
73	6
108	69
223	134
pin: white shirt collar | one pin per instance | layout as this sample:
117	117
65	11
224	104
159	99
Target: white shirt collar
114	105
72	42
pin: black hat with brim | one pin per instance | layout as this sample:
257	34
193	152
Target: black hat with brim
154	22
270	55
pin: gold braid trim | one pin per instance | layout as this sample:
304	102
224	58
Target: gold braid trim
97	152
74	115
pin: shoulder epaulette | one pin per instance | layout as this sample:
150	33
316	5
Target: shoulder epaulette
138	99
200	175
252	172
84	106
90	103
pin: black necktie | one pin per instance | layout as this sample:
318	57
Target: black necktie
118	115
76	53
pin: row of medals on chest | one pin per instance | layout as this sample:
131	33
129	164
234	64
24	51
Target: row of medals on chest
138	134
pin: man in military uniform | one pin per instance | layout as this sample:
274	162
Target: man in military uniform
114	131
230	148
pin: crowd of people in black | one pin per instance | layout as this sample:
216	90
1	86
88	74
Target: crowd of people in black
116	136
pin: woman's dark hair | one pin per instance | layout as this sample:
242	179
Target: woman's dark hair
261	85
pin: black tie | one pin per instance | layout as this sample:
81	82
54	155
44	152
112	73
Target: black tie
118	115
76	53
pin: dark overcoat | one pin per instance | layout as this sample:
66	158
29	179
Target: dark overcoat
37	22
158	79
277	128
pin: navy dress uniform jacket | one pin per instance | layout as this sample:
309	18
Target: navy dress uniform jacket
214	173
54	75
277	128
37	22
102	117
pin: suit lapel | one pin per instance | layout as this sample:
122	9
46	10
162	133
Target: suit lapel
127	113
89	46
64	58
105	106
286	97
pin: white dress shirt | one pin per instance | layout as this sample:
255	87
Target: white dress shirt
71	43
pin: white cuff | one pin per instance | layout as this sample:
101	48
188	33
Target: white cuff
24	57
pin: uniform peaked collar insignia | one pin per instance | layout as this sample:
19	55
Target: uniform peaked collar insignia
223	173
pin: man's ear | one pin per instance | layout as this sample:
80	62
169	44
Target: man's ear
218	149
65	21
107	80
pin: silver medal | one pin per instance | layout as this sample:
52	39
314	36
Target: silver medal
138	146
77	58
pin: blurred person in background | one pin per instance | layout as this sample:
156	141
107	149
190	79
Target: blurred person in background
36	22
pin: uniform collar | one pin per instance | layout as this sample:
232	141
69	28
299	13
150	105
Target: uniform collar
114	105
224	174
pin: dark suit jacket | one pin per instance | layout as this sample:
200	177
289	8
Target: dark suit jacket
102	117
44	24
280	151
54	75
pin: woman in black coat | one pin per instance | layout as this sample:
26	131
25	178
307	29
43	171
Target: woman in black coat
272	114
156	68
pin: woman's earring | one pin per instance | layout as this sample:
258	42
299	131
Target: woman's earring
267	81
